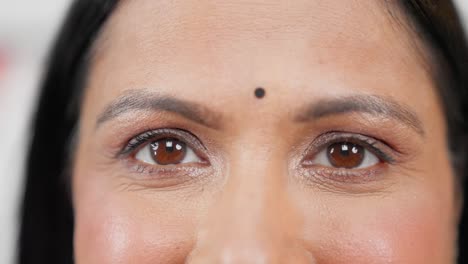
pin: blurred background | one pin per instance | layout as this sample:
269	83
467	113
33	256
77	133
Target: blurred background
27	29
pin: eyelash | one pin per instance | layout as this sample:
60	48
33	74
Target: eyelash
165	176
371	144
183	135
312	172
333	137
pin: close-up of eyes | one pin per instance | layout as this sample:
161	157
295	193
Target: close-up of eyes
256	131
348	151
346	155
167	151
164	147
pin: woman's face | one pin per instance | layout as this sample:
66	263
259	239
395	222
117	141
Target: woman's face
344	159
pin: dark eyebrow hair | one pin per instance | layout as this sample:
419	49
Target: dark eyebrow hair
370	104
144	100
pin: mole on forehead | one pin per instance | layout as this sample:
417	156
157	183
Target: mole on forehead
259	92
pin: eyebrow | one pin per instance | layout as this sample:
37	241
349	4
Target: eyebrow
135	100
369	104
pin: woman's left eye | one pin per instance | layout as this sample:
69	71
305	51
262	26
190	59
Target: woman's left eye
345	155
167	151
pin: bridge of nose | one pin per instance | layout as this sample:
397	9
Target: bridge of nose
253	220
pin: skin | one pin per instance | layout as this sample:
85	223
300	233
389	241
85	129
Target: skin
252	199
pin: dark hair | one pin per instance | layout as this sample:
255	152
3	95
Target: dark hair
46	232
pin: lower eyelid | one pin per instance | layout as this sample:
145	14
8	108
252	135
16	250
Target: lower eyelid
156	178
142	171
343	176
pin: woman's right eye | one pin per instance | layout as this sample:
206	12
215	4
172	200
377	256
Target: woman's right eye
167	151
346	155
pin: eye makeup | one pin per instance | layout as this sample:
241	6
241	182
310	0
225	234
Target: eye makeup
331	175
379	148
152	135
382	155
156	175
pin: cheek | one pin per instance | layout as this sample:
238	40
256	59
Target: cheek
416	231
127	228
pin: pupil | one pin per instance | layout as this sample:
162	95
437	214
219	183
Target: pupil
169	146
344	150
345	155
168	151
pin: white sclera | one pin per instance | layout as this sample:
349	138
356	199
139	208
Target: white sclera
370	159
144	155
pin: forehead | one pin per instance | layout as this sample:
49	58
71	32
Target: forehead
257	18
208	31
309	47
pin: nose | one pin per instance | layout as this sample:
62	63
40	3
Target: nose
253	220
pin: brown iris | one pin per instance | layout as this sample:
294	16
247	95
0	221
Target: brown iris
168	151
345	155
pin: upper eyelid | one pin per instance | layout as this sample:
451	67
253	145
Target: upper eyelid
324	140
